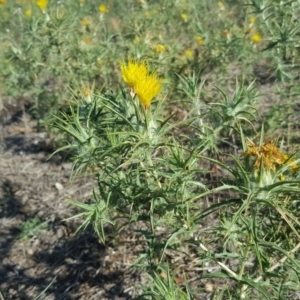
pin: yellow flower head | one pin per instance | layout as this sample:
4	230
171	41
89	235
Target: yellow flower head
133	72
86	94
85	22
27	13
221	5
137	40
189	53
87	40
199	39
42	4
144	84
256	38
252	20
103	9
184	16
159	48
225	32
99	62
269	155
147	88
2	2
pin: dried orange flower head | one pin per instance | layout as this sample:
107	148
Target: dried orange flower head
269	154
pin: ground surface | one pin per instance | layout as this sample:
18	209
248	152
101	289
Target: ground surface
33	189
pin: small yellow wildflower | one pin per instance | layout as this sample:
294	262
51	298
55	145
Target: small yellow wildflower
184	16
145	85
159	48
256	38
85	22
225	32
81	1
27	13
42	4
103	9
2	2
99	62
221	5
252	20
86	93
189	53
87	40
269	155
137	40
147	88
133	72
281	177
199	39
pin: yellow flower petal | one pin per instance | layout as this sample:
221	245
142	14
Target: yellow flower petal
256	38
147	88
103	9
159	48
271	157
145	85
133	71
184	17
42	4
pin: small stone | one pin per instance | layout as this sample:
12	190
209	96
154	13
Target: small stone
209	287
60	233
30	251
59	186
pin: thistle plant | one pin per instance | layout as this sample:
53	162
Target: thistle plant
146	173
280	25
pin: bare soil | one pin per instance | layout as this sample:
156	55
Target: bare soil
50	254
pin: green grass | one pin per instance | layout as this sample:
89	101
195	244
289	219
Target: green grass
31	228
